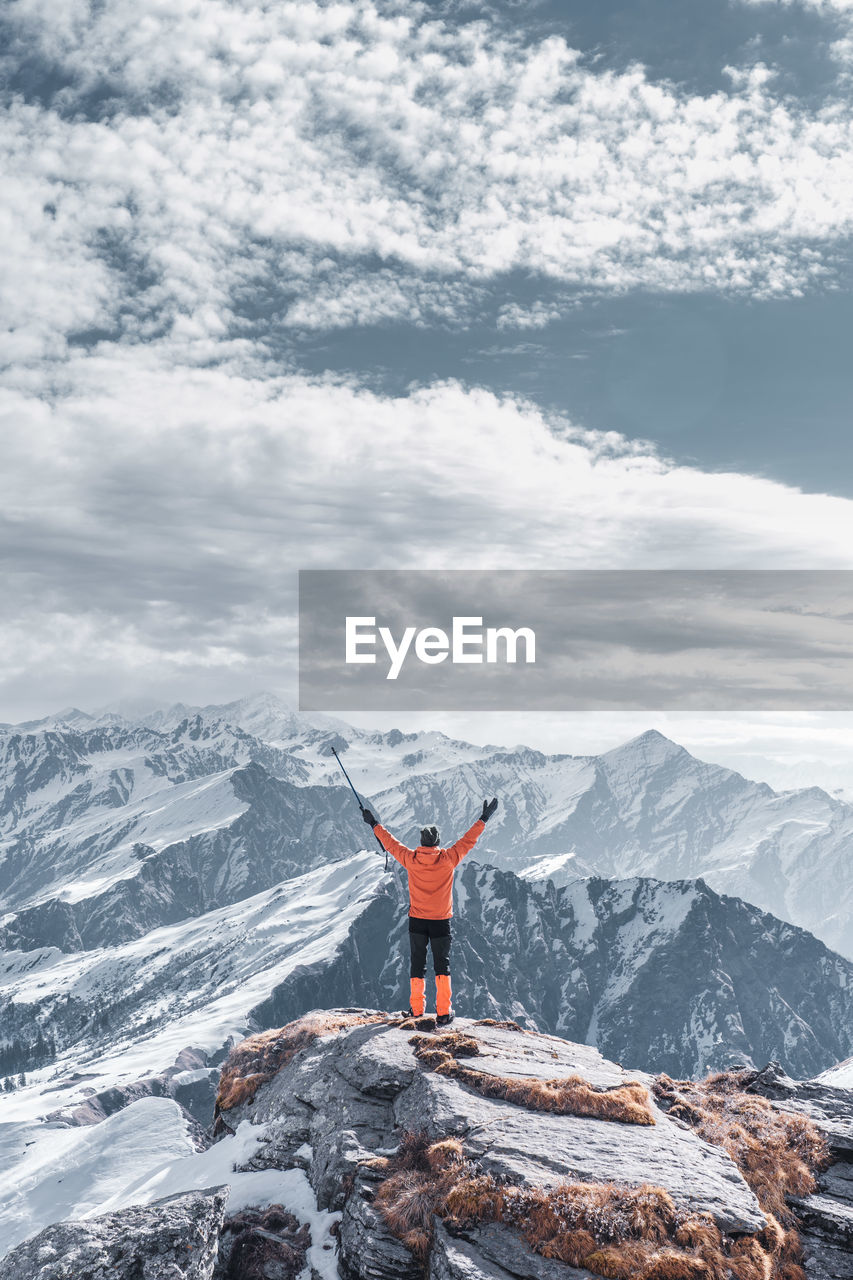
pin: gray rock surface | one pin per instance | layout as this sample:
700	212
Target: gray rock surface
544	1150
498	1248
352	1094
172	1239
829	1107
262	1244
367	1246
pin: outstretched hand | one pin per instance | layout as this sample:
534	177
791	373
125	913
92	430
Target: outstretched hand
368	817
489	807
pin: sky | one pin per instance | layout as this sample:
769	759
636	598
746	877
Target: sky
495	285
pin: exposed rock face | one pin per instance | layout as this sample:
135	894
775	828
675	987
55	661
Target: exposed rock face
353	1093
827	1217
493	1252
172	1239
339	1090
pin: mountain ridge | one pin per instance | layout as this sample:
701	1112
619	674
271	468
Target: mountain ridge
647	807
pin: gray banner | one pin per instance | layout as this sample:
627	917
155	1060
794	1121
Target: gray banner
512	640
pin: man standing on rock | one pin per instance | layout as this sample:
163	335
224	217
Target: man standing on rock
431	904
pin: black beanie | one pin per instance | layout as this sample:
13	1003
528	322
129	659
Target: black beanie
429	837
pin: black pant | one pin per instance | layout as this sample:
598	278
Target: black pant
434	932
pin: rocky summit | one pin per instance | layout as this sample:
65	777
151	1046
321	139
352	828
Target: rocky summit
351	1093
485	1151
352	1087
826	1216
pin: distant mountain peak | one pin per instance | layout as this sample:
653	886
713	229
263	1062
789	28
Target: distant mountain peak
652	746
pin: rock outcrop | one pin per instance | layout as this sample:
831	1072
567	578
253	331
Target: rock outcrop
172	1239
262	1244
351	1088
489	1152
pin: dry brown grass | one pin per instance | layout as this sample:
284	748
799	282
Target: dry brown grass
778	1154
256	1060
444	1154
504	1025
570	1095
634	1233
635	1259
426	1022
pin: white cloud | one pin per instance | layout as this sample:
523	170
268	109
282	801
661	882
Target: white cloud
253	168
829	6
536	316
323	165
153	518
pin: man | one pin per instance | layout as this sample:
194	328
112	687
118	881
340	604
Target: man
431	904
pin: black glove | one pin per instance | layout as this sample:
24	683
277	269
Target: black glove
489	807
368	817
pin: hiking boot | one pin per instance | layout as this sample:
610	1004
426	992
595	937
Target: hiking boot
442	1019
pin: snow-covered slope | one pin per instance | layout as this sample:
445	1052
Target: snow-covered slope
121	1013
126	1010
135	1157
840	1076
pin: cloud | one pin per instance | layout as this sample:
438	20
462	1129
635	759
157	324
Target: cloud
827	6
535	316
153	517
230	171
186	185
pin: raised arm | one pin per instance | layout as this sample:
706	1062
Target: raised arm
466	843
399	851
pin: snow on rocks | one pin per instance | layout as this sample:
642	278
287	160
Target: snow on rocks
841	1075
49	1173
172	1239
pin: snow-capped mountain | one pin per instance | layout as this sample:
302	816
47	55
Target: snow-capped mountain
110	827
172	882
650	808
671	976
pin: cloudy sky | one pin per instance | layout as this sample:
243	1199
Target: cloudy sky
378	285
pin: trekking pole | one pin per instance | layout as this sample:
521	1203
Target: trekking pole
358	802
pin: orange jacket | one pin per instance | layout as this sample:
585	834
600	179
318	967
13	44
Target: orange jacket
431	871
